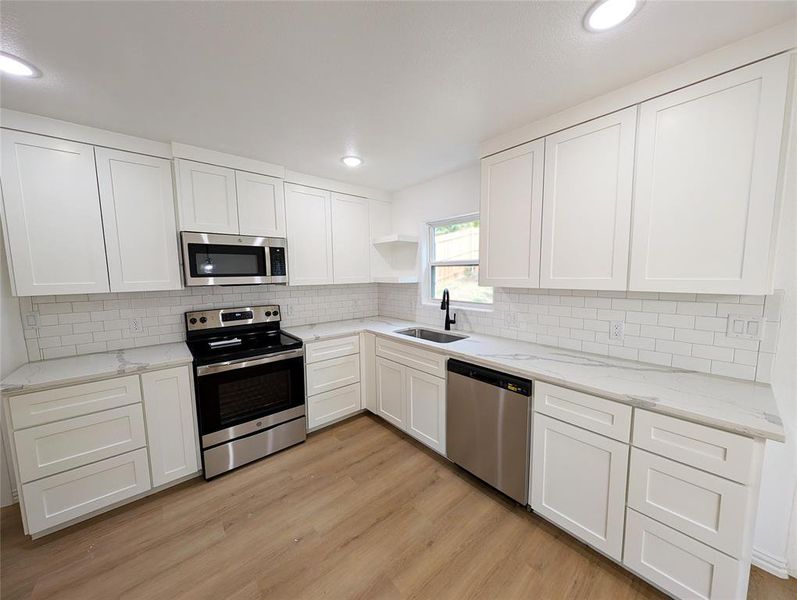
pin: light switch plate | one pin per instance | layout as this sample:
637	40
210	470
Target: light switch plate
745	327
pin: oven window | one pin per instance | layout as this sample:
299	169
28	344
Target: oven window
220	260
233	397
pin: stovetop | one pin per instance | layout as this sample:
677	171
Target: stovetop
234	333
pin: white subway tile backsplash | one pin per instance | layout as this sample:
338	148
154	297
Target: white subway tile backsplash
82	324
682	330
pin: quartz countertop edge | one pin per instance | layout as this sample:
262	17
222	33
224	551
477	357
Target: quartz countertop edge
743	407
56	372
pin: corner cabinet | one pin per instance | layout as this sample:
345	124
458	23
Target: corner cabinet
706	184
511	217
586	218
52	220
138	220
308	213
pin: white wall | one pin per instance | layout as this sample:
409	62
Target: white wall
12	355
450	195
777	505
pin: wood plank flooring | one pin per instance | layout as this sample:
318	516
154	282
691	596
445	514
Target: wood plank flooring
358	511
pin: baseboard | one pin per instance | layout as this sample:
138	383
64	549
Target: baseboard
771	564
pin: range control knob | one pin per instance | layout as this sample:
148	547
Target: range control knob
192	320
276	313
268	313
203	319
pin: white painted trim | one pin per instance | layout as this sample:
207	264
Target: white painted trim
771	564
770	42
231	161
20	121
332	185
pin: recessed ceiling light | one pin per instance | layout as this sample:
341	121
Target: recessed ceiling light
606	14
352	161
12	65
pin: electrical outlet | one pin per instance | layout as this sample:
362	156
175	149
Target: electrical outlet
31	320
617	330
136	326
745	326
510	320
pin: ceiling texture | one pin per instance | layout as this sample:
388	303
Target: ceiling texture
411	87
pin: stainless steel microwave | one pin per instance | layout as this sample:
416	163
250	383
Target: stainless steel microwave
220	259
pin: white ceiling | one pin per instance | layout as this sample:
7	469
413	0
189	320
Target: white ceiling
412	87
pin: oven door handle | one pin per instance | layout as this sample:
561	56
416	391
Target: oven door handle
248	362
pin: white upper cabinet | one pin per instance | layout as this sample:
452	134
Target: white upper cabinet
706	184
261	205
207	198
308	213
511	213
351	239
586	215
138	218
52	216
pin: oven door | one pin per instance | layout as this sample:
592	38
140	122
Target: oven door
243	397
217	259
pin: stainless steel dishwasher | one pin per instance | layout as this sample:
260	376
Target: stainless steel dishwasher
487	426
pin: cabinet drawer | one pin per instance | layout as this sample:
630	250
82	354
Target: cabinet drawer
332	374
720	452
681	566
330	406
55	447
66	402
606	417
66	496
410	356
704	506
317	351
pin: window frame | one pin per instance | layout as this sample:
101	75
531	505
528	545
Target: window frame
431	262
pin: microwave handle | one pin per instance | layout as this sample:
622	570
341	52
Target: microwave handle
267	250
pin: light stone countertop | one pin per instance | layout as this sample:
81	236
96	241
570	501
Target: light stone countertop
740	406
92	367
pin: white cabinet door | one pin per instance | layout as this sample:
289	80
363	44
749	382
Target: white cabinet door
261	205
578	481
426	409
172	436
390	395
52	221
511	213
351	239
706	183
586	214
332	406
137	199
380	225
207	198
309	219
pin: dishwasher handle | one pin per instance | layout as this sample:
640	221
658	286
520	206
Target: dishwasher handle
511	383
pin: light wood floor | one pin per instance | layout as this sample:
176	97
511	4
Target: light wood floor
358	511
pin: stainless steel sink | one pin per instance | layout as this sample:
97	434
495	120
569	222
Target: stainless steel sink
431	335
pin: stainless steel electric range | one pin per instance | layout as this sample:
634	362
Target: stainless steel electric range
249	383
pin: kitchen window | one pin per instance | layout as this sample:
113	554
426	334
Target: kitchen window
454	261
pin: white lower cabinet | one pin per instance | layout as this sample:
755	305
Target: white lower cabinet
390	394
578	481
368	370
82	448
413	401
55	500
679	564
332	377
426	408
331	406
168	404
